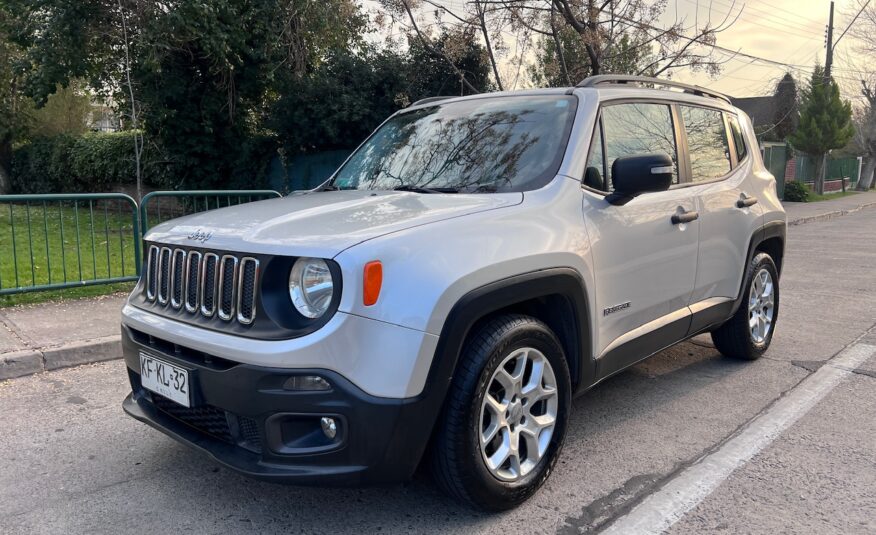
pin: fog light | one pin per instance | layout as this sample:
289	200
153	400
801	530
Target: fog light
306	382
329	427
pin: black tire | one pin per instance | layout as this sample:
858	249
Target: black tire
456	460
734	338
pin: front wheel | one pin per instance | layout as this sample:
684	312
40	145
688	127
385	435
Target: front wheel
503	425
748	334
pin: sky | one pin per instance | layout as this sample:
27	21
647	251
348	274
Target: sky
784	31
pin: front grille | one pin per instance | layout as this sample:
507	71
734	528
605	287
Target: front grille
250	434
207	419
214	422
203	283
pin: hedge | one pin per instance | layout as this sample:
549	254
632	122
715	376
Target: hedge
94	162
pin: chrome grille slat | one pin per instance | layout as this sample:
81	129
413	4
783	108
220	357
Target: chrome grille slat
151	271
163	275
209	272
193	280
176	278
246	289
227	286
203	283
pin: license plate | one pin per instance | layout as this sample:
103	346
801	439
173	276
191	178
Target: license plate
164	378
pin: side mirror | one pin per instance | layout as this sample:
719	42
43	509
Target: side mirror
635	175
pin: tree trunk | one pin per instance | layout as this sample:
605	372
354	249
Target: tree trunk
820	171
865	181
5	168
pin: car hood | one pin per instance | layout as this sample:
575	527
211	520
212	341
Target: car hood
320	224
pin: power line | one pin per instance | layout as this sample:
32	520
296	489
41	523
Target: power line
858	14
765	15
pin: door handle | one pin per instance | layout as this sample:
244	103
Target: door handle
745	202
685	217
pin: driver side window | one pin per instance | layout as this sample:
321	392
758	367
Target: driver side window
630	129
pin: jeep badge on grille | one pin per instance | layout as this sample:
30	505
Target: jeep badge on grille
200	236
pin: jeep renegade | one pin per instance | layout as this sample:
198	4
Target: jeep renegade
473	266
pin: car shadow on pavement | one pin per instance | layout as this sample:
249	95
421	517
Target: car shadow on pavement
599	430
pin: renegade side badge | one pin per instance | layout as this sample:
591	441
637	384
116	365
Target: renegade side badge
615	308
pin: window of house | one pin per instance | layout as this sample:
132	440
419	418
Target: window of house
707	143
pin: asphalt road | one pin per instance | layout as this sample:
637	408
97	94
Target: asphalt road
72	462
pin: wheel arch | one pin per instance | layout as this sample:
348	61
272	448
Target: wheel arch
769	239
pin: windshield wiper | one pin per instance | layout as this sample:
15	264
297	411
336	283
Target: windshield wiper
332	187
418	189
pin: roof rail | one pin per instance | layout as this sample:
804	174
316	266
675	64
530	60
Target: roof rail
428	100
604	79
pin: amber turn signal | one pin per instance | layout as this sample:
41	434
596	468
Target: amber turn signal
373	281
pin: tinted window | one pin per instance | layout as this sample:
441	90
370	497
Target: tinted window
635	129
738	140
707	143
487	144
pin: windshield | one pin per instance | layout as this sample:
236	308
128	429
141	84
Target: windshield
480	145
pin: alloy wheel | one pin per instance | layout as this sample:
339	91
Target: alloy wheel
518	414
761	306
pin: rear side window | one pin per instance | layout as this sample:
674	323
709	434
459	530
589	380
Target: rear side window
707	143
635	129
738	140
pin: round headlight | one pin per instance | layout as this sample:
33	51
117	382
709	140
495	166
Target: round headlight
311	287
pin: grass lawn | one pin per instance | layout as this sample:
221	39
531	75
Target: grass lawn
814	197
60	242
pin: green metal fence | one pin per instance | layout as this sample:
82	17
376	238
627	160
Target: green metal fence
50	242
160	206
57	241
836	168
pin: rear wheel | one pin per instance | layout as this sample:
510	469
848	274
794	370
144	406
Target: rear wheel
505	417
748	334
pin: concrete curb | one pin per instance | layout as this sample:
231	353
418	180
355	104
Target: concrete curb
30	361
829	215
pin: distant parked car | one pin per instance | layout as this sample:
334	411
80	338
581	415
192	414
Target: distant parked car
473	266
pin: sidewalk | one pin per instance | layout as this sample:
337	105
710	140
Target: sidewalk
807	212
49	336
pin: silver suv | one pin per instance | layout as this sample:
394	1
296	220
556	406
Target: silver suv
473	266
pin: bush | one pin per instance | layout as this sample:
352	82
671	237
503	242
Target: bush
796	192
90	163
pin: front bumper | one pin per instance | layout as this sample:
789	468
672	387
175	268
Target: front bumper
242	417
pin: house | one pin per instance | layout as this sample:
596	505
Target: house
762	111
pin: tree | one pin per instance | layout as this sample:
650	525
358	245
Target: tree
577	38
786	115
863	12
460	66
825	122
340	102
66	111
865	134
13	119
198	76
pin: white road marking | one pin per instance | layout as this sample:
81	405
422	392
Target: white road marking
659	511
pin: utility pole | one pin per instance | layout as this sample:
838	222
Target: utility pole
821	176
828	62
